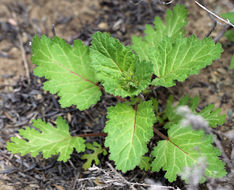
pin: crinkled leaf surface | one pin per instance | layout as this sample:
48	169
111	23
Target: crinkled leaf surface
92	157
184	149
119	70
129	130
176	20
210	114
181	58
67	69
173	56
49	140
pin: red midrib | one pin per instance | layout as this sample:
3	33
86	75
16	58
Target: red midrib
134	125
87	80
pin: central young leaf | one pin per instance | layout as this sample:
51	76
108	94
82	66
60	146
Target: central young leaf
174	57
176	20
129	130
67	69
117	67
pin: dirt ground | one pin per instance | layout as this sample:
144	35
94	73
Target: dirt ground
23	99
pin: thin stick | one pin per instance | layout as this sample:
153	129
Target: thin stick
23	54
216	39
218	17
53	30
24	58
170	2
212	29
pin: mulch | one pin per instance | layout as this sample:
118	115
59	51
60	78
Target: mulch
26	101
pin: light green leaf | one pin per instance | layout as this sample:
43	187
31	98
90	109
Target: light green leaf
46	139
181	58
145	163
92	157
170	109
129	130
173	56
232	62
210	114
229	16
175	22
230	35
119	70
67	69
184	149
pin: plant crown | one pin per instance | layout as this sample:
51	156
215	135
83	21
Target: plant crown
78	74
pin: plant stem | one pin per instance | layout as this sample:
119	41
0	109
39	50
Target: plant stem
161	135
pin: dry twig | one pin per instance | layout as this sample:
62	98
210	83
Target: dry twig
218	17
113	178
24	58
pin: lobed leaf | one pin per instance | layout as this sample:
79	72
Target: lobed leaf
173	56
92	157
129	130
67	69
46	139
210	114
175	22
119	70
179	59
184	149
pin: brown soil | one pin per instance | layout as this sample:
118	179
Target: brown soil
37	17
21	20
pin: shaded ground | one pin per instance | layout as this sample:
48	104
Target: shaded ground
21	102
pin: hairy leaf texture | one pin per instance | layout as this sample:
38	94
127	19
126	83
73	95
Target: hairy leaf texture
184	57
67	69
210	114
92	157
46	139
129	130
173	56
176	20
119	70
183	149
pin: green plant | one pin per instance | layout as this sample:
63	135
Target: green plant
230	33
80	73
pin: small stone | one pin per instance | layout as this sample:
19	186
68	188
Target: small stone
222	71
38	97
69	117
103	25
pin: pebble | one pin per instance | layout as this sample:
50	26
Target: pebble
103	25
